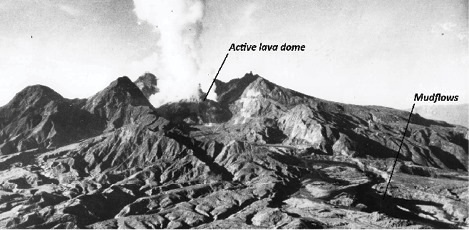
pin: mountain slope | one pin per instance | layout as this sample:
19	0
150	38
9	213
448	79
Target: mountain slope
262	156
40	117
267	113
119	104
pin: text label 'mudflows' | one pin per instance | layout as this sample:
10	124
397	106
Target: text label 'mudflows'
435	97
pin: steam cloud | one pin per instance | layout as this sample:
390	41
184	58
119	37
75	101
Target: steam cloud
179	23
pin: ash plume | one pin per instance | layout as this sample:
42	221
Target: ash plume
179	24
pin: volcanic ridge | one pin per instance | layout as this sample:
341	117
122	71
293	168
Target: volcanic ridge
260	156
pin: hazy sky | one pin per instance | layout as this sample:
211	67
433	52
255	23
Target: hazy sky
359	52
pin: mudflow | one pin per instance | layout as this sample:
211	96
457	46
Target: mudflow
261	156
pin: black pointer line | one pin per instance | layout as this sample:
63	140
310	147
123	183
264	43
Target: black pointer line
206	95
400	146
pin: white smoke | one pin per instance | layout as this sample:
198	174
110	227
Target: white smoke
212	95
179	23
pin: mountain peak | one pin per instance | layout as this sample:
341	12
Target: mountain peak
122	90
114	161
232	90
123	81
35	95
119	103
39	91
38	87
251	77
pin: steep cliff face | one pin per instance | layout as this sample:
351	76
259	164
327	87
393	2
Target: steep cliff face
335	128
261	156
195	112
119	104
38	117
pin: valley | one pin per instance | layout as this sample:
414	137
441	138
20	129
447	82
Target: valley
260	156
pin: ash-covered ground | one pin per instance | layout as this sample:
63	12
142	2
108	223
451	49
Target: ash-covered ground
261	156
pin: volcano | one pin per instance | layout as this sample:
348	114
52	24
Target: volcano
260	156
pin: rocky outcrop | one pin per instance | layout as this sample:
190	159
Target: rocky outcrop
195	112
121	103
334	128
261	156
38	117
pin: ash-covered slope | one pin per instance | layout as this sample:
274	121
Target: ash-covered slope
121	103
267	113
261	156
39	117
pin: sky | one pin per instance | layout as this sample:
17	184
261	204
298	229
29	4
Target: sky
357	51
